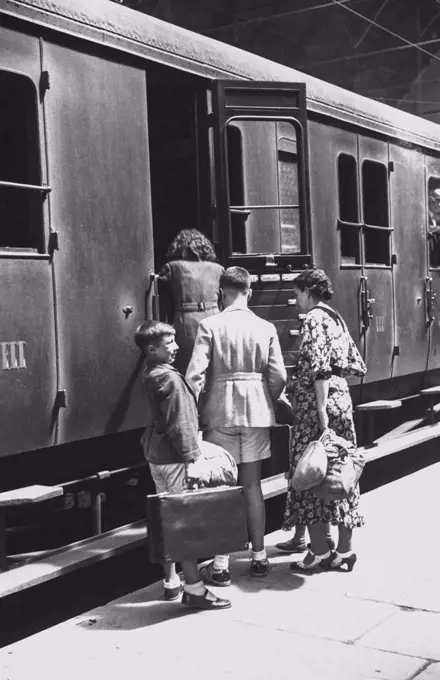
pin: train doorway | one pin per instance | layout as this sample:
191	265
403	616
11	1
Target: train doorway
179	159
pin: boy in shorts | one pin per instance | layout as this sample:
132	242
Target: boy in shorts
237	371
171	445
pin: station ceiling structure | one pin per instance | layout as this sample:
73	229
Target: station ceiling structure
388	50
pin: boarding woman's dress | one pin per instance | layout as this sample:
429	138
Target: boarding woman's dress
327	351
190	293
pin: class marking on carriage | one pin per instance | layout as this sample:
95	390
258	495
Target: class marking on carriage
380	324
12	355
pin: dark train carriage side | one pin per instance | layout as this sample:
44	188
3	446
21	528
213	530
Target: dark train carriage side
75	250
118	130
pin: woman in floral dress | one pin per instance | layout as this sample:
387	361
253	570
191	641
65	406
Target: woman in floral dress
322	400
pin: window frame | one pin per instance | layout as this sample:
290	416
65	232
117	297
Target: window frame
368	228
300	139
434	268
344	224
30	252
363	227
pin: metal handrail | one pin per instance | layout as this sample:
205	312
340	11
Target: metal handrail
31	187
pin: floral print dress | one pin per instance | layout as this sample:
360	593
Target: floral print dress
326	343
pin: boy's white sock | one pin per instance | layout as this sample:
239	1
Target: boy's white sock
221	562
172	583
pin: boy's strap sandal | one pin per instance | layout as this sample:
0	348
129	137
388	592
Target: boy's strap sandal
203	602
215	578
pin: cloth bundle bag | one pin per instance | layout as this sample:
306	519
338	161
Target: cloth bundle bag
216	467
311	468
344	468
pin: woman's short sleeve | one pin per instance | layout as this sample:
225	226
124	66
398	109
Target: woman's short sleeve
315	350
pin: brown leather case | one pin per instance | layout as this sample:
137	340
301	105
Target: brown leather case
195	524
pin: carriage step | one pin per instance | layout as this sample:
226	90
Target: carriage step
379	405
29	494
368	409
431	392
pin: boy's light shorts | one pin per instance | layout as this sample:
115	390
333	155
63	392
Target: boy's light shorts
170	477
245	444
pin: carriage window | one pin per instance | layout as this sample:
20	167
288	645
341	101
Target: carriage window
377	241
350	243
348	189
434	221
20	207
288	195
236	188
263	186
375	193
377	246
349	233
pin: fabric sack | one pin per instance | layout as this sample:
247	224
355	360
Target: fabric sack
216	467
311	468
344	468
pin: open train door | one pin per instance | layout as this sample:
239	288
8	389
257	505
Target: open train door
261	174
432	293
262	195
262	201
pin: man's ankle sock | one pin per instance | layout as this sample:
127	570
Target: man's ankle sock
259	556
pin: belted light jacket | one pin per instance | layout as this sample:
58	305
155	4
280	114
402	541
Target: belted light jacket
236	370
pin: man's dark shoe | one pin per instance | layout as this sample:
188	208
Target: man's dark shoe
203	602
260	568
292	546
215	578
171	594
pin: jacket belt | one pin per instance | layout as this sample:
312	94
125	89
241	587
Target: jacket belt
224	377
337	370
197	306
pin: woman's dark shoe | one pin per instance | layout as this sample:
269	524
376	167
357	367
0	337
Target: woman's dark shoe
260	568
330	542
292	546
311	561
337	561
203	602
171	594
213	577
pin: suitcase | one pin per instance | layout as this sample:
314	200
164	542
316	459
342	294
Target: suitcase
196	524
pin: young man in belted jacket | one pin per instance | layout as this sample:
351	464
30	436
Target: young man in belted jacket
237	372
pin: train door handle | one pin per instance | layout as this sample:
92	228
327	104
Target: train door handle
366	304
431	297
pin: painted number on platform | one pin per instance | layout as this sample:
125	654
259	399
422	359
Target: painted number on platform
12	355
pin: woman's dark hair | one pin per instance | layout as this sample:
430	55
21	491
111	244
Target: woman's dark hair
191	244
317	281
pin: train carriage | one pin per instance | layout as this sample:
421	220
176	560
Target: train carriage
116	131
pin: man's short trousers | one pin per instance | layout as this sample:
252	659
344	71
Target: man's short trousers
245	444
170	477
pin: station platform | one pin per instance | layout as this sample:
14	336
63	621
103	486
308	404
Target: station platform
380	621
